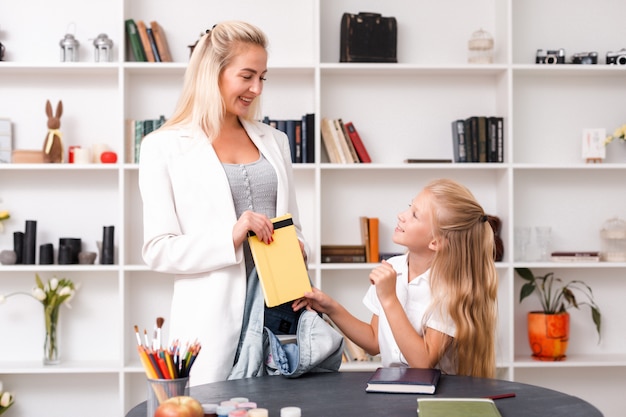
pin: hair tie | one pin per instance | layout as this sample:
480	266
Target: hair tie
209	30
484	218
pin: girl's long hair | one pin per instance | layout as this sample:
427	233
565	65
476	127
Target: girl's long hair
464	280
200	104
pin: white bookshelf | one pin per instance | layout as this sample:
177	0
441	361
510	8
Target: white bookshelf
401	110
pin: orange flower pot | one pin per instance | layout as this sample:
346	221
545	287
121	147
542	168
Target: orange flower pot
548	335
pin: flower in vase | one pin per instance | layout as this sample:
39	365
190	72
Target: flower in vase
6	399
4	215
51	295
620	133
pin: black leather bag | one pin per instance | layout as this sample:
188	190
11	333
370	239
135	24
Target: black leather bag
368	37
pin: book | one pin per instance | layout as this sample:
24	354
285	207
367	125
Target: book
346	137
161	41
342	143
142	30
372	223
404	380
153	45
134	40
280	264
457	407
361	151
481	126
471	138
343	259
459	146
343	249
343	253
581	256
328	139
293	129
308	138
427	161
365	235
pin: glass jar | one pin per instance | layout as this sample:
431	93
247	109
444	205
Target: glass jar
613	236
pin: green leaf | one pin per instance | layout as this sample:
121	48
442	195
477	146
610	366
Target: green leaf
525	274
526	290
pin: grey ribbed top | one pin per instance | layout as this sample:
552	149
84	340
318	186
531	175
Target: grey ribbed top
254	187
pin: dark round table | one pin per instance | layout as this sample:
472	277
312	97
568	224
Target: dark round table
343	395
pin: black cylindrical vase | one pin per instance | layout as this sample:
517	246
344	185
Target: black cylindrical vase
46	254
73	246
18	247
108	249
30	242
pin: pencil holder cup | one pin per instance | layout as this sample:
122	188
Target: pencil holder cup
160	390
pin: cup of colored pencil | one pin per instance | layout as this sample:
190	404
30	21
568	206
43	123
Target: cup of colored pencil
167	369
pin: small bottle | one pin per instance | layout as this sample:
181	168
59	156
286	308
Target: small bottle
238	412
290	412
210	410
238	400
258	412
223	410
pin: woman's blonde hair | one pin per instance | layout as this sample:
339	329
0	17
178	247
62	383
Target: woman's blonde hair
464	278
201	104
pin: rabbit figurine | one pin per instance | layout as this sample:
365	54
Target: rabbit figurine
53	145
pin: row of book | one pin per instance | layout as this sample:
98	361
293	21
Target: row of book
478	139
147	42
367	251
342	142
136	130
301	134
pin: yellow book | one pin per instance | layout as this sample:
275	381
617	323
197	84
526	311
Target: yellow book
453	407
280	264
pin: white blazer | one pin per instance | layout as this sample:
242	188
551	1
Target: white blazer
188	218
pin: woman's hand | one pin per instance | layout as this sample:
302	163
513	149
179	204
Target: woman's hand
258	223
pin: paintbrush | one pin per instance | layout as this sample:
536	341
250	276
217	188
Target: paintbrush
137	334
159	323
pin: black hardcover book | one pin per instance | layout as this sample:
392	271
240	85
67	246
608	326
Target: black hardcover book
405	380
481	129
471	138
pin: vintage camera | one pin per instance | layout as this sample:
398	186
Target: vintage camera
556	56
616	58
585	58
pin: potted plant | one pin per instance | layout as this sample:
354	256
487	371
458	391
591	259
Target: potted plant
548	330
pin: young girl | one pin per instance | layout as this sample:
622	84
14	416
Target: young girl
435	306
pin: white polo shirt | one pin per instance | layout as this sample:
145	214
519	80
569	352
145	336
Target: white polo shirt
415	299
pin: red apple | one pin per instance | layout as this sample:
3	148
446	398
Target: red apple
181	406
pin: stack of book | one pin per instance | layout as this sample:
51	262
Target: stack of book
343	143
147	42
301	134
478	139
581	256
343	254
136	130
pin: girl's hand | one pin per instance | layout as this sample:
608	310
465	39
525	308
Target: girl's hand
315	300
384	278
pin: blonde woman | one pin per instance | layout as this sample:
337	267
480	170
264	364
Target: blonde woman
435	306
207	177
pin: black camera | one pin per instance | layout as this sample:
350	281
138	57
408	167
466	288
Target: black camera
616	58
556	56
585	58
